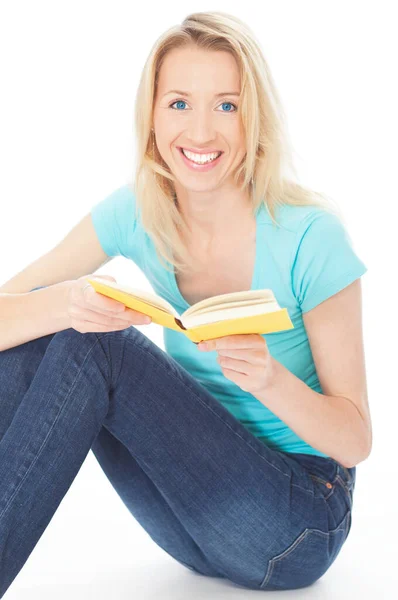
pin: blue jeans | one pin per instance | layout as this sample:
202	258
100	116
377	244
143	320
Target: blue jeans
205	489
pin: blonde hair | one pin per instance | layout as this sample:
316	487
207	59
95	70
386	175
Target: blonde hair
267	167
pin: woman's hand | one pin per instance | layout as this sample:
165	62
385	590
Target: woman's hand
244	359
90	311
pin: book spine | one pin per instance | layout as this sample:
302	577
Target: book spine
179	323
182	326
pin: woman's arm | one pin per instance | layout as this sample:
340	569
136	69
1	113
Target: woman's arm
336	422
27	316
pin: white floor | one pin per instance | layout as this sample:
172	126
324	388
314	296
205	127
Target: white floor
93	548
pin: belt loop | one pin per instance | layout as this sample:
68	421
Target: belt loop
346	475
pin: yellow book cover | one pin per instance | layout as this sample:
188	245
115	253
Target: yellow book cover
251	311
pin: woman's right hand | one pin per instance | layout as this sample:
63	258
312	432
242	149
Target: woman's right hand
90	311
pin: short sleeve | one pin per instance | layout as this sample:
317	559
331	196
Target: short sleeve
324	262
114	221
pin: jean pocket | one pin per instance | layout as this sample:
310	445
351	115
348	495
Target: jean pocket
343	478
325	485
307	558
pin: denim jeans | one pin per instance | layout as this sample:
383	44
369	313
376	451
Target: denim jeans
206	490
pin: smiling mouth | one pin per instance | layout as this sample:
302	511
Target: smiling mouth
219	152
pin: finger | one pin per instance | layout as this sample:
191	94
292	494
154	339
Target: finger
101	301
104	318
237	341
86	326
242	353
239	366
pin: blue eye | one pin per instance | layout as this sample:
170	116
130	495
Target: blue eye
177	102
183	102
226	103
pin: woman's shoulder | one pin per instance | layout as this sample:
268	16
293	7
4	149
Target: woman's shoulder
298	218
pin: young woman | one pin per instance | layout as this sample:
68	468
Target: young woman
238	460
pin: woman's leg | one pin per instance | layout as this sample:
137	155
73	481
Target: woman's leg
18	368
147	504
212	470
241	502
45	441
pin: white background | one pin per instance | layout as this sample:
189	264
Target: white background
69	72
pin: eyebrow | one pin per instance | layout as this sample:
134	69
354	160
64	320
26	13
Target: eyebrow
181	93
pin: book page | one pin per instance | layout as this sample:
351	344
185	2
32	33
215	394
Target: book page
266	306
150	298
214	316
233	299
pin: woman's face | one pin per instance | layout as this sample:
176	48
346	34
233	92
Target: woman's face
203	117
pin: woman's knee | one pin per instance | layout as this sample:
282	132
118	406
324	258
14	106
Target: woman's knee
25	352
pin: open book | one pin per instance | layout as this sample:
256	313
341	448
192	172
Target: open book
252	311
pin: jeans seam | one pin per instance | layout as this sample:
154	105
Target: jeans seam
345	487
349	477
295	543
48	433
218	416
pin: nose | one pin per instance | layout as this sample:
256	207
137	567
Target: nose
201	130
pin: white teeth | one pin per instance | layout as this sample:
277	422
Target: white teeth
201	158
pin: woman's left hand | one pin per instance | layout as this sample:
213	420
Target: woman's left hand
244	359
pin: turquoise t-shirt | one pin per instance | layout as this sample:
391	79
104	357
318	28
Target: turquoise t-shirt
305	261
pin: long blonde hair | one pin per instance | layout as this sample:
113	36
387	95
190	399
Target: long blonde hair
267	167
